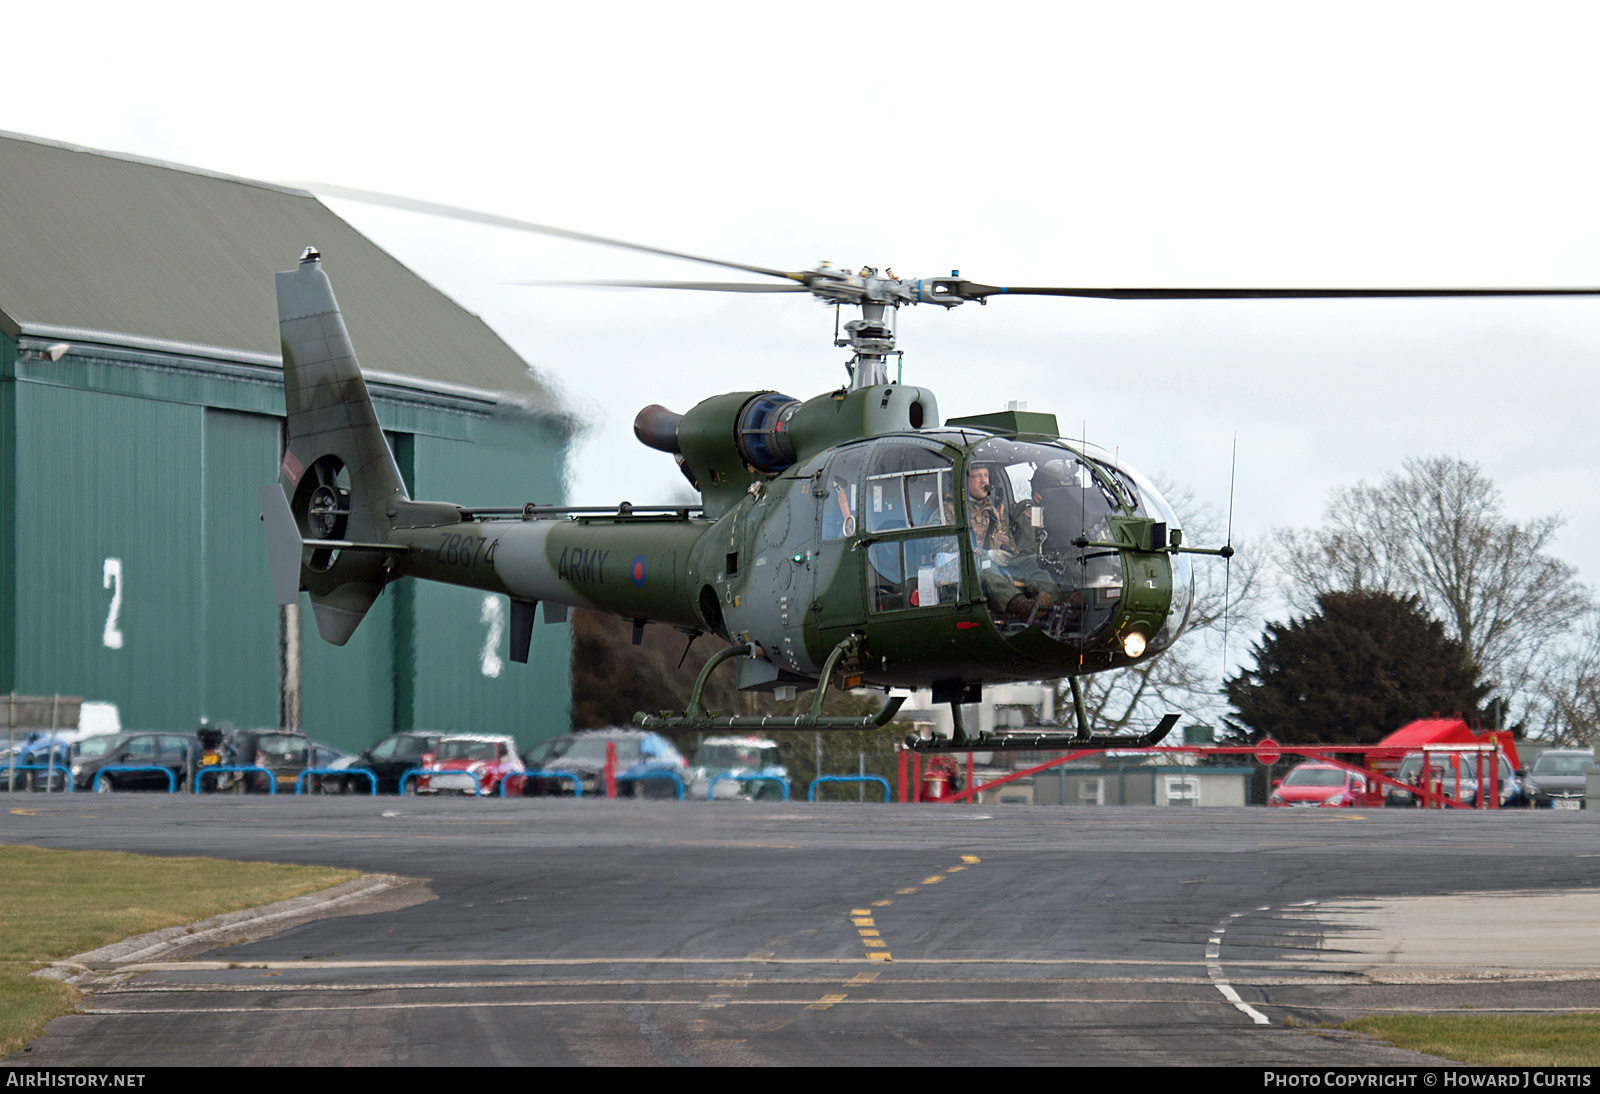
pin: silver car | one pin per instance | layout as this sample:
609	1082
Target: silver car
1459	782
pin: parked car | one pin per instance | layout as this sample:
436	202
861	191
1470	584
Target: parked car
736	756
1559	778
643	761
39	748
390	759
1457	781
1319	785
283	752
173	751
460	756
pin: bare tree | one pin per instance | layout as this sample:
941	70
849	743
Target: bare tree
1568	710
1186	679
1436	530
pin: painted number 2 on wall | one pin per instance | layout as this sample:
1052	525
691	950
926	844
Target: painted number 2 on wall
111	578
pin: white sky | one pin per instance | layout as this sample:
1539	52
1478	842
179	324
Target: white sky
1069	143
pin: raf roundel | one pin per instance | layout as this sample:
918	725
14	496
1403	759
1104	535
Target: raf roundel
636	572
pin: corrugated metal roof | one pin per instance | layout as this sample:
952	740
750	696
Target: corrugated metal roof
118	245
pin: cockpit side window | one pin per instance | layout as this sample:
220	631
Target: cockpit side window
909	486
923	572
841	494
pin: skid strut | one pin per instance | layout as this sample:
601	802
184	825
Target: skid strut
697	717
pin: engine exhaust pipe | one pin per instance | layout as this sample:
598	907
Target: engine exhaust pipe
657	428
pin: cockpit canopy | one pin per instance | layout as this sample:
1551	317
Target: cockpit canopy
1043	496
1026	502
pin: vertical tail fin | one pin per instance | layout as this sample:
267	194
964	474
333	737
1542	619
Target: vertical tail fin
338	474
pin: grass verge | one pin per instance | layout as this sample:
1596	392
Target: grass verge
1497	1040
58	903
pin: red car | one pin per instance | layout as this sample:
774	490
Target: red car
1319	785
462	756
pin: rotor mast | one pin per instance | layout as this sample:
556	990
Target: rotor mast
871	336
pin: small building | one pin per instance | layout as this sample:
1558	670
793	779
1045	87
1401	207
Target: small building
141	407
1129	781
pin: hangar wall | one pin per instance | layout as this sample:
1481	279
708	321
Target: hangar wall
133	564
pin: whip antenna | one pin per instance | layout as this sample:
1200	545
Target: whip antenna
1227	557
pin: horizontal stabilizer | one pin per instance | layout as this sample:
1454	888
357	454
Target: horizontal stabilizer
340	612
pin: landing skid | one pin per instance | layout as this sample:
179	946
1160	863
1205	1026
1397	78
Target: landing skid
1043	742
1082	740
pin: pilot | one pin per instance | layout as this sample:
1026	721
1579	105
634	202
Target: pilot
1006	551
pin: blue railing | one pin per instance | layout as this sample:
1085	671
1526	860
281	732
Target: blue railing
272	780
677	780
102	784
811	792
577	780
300	780
711	790
50	767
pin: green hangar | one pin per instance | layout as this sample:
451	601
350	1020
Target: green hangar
141	409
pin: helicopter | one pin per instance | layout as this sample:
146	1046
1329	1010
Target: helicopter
849	539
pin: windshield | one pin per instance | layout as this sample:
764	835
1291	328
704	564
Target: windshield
282	748
1569	764
1026	504
400	748
594	748
1442	767
93	747
459	749
730	756
1314	776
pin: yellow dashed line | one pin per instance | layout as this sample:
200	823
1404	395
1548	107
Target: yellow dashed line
866	926
827	1001
861	978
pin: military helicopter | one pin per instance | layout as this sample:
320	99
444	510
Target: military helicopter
852	538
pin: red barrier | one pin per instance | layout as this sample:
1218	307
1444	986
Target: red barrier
1486	754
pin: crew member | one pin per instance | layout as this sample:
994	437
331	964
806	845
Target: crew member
1006	551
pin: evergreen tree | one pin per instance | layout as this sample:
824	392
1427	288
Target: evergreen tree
1359	668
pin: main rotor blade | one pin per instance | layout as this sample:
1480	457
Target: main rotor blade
431	208
972	291
706	286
